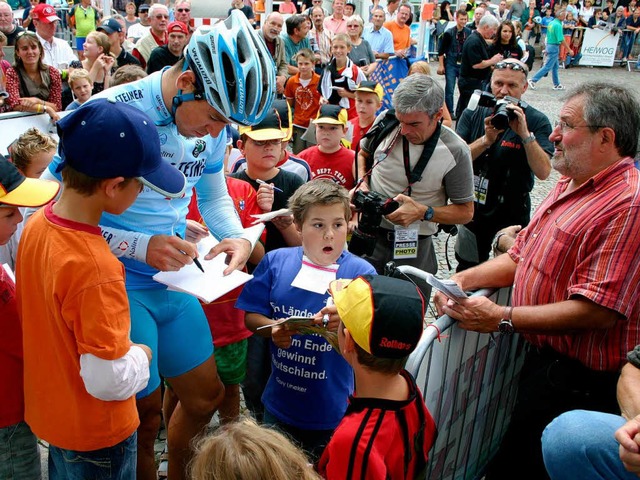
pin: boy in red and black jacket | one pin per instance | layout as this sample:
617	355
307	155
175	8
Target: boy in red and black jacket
387	430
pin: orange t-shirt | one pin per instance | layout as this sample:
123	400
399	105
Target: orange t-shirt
306	100
401	35
72	301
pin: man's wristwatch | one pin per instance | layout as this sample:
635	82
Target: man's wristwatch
505	327
529	139
428	215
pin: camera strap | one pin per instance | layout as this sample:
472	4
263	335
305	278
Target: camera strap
415	175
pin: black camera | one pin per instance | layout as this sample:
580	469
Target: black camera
371	207
501	114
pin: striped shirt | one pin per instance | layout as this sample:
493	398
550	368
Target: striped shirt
381	439
586	245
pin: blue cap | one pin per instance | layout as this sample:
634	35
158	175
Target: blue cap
108	139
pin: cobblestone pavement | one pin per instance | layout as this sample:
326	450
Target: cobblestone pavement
544	99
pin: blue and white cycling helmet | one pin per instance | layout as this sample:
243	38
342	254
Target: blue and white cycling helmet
234	70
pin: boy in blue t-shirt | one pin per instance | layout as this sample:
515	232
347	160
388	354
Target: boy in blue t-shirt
306	395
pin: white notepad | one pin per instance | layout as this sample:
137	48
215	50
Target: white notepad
211	284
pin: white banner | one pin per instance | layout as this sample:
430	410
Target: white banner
599	47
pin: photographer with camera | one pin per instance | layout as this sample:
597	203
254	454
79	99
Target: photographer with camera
408	157
509	143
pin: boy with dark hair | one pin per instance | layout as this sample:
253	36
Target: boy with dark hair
387	430
81	370
18	445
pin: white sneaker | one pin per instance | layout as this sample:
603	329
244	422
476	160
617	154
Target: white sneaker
532	84
558	87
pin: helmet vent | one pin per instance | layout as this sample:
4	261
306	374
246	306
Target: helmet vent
229	75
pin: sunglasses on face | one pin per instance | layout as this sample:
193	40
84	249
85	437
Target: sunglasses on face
160	17
184	10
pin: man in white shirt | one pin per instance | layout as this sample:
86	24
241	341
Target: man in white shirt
137	31
57	52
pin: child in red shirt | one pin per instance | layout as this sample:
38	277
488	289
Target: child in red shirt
330	159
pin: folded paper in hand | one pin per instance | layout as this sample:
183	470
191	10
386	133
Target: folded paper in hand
305	326
211	284
450	288
267	217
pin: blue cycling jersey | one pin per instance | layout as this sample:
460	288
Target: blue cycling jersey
199	159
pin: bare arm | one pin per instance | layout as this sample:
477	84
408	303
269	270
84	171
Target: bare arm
411	211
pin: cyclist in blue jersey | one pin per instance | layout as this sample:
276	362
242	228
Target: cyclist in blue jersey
227	75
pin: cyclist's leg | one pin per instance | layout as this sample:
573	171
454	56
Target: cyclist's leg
186	360
144	330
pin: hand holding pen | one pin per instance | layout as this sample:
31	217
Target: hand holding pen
195	259
273	187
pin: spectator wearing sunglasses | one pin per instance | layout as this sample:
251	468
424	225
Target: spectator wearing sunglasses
505	161
182	13
138	30
157	36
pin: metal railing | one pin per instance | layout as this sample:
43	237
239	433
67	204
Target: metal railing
469	383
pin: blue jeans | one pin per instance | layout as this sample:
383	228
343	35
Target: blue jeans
112	463
580	444
19	457
451	74
553	52
627	43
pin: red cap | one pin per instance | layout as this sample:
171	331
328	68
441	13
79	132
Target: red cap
177	27
45	13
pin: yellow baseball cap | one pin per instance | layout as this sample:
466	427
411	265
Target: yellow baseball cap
371	87
333	115
384	315
270	128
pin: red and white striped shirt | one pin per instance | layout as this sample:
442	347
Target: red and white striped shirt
586	244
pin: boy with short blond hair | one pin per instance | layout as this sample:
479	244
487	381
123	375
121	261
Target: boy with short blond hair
368	101
81	85
81	371
329	159
307	391
301	91
387	431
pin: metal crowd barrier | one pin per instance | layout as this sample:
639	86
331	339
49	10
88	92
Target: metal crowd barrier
632	41
469	382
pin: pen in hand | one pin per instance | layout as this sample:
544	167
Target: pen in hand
273	187
195	260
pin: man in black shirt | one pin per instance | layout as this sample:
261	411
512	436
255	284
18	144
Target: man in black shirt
476	63
450	55
504	164
167	55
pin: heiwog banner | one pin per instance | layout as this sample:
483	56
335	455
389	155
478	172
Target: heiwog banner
599	47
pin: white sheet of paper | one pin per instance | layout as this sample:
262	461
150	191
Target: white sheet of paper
448	287
266	217
314	278
211	284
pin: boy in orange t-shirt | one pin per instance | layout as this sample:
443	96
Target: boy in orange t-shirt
302	94
81	371
18	444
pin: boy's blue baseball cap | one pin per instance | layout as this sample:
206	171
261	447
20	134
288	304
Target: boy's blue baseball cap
108	139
